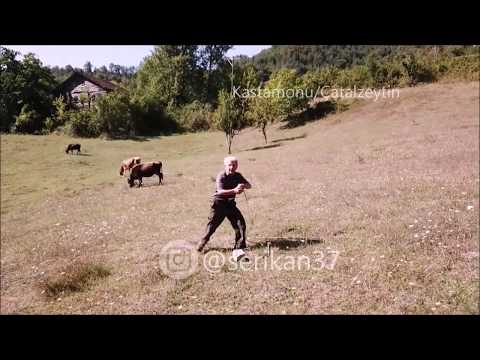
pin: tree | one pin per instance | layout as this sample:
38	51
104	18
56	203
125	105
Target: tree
246	80
212	62
287	92
283	95
25	82
112	67
102	69
262	111
228	117
87	68
162	79
175	75
10	87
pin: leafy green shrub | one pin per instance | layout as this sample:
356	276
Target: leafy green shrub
385	73
195	117
60	112
27	121
418	69
83	123
462	67
150	117
357	76
114	114
327	76
49	125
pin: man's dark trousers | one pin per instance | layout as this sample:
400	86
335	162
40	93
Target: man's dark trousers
219	210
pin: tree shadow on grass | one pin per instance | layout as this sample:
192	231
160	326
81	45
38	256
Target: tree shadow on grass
136	138
263	147
290	138
139	138
314	113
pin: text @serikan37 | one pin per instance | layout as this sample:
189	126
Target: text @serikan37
179	259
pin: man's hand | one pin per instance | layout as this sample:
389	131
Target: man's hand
239	189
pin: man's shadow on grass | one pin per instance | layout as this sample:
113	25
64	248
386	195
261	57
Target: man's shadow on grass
281	243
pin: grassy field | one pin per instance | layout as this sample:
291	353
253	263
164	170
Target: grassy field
391	188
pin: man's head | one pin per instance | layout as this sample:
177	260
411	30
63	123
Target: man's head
231	164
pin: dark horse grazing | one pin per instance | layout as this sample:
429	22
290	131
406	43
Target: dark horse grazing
145	170
72	147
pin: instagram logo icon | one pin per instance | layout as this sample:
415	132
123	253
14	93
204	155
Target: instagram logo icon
178	259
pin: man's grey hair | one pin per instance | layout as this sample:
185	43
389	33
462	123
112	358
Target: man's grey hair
228	159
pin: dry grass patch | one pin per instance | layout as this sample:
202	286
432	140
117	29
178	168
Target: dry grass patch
75	278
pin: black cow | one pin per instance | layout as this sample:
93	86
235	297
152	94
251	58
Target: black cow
72	147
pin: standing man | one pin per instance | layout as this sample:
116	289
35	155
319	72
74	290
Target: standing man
229	183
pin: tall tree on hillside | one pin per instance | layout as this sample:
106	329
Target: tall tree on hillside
162	79
10	89
26	85
212	61
102	69
194	84
261	112
313	57
289	91
283	95
184	73
228	117
244	79
88	68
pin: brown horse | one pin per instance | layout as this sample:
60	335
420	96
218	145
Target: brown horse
145	170
129	164
71	147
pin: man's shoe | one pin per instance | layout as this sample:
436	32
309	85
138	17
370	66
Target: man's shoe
239	254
